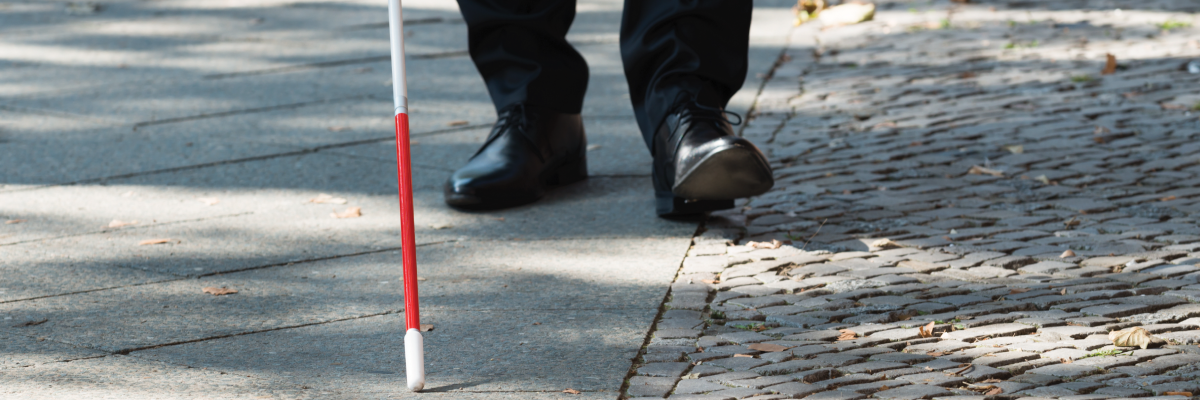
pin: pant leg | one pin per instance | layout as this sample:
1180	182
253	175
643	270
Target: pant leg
685	48
520	49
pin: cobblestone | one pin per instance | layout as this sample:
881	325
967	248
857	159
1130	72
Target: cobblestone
1081	217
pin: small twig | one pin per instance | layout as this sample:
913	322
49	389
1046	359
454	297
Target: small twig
810	238
961	370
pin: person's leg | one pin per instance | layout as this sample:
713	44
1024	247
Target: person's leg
537	82
697	48
520	48
684	60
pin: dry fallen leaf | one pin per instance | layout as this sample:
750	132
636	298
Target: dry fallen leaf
926	331
767	347
209	200
116	223
710	281
847	14
1169	106
992	380
338	128
994	391
352	212
1066	254
885	244
1188	394
1066	360
1133	337
983	388
1016	149
964	369
967	75
218	291
743	355
153	241
935	354
572	391
1110	64
1017	290
457	123
977	170
847	335
1063	292
1043	179
30	323
774	244
326	198
1168	198
14	221
426	327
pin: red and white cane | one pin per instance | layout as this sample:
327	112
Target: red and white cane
414	352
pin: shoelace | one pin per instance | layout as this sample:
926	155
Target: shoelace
713	114
514	117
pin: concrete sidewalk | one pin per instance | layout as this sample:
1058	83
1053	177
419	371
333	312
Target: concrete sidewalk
211	124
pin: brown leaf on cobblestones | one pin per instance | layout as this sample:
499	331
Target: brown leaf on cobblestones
1168	198
14	221
1110	64
743	355
710	281
992	380
571	391
31	323
847	335
1063	292
967	75
985	388
326	198
1066	254
116	223
1133	337
153	241
1017	290
1066	360
927	330
978	170
935	354
1043	179
457	123
352	212
774	244
1169	106
885	244
209	201
1015	149
847	14
1071	222
964	369
994	391
1188	394
767	347
218	291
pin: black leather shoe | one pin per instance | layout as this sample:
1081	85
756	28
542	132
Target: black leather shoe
701	166
529	150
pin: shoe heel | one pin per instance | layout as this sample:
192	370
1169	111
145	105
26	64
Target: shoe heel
667	205
574	170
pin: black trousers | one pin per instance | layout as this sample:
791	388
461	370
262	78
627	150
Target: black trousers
671	49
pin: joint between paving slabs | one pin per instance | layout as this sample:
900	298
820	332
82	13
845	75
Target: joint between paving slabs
662	309
242	160
107	230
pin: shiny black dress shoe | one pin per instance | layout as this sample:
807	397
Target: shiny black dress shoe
530	150
701	166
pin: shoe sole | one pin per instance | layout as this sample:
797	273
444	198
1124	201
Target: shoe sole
569	172
731	172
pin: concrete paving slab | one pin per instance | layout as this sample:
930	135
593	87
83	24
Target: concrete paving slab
23	351
366	355
514	276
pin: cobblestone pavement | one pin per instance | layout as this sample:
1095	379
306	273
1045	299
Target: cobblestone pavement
969	166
